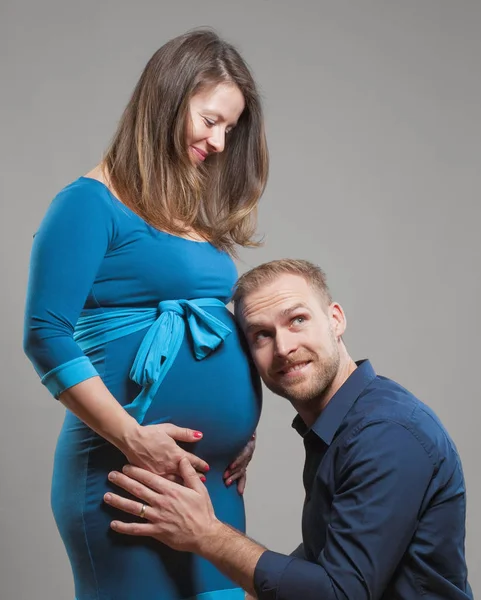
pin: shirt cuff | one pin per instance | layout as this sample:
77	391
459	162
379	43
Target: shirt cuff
268	573
69	374
280	577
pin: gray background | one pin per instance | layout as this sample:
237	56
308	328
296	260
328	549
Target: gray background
374	131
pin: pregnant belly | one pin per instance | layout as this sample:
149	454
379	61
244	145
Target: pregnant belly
219	395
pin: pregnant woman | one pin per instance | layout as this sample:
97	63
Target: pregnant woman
126	320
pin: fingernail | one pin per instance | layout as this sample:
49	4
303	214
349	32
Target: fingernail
197	434
227	473
229	481
203	479
114	524
126	469
112	476
107	497
207	468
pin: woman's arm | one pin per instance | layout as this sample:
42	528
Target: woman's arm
151	446
75	235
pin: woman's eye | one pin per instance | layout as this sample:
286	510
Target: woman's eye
209	122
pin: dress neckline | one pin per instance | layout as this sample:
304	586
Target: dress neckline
114	197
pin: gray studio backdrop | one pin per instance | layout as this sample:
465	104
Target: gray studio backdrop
374	131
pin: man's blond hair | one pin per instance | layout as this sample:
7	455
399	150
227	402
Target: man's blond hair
268	272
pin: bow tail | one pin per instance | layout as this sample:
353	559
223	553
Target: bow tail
140	405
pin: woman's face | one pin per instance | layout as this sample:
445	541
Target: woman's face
214	112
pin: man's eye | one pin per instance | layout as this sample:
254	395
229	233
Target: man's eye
298	320
260	335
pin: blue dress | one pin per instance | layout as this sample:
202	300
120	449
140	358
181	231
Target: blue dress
92	255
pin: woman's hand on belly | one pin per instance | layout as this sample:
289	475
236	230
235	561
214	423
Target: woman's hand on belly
237	469
154	447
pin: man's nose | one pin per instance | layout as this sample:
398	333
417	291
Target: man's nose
285	343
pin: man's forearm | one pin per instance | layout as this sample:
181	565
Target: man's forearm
233	554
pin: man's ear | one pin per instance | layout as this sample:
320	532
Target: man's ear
337	319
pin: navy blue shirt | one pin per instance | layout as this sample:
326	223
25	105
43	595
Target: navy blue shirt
385	507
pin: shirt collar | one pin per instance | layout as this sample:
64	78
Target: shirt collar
339	405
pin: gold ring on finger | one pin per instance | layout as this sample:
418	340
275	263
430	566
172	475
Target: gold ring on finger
142	511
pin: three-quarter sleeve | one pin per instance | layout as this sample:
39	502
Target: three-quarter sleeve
68	248
382	484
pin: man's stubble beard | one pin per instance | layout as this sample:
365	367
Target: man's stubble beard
315	387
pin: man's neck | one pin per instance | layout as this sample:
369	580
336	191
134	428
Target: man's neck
309	414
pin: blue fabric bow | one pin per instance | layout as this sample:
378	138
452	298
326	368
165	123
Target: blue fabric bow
161	343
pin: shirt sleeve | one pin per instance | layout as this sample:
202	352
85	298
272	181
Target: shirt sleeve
383	478
67	251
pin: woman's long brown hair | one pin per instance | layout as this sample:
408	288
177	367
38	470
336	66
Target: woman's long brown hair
148	162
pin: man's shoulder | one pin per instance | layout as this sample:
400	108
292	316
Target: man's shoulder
385	399
387	404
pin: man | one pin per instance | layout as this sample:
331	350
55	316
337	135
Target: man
384	513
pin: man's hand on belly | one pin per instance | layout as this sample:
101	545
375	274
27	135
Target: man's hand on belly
183	518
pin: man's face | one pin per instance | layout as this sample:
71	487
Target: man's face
293	337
